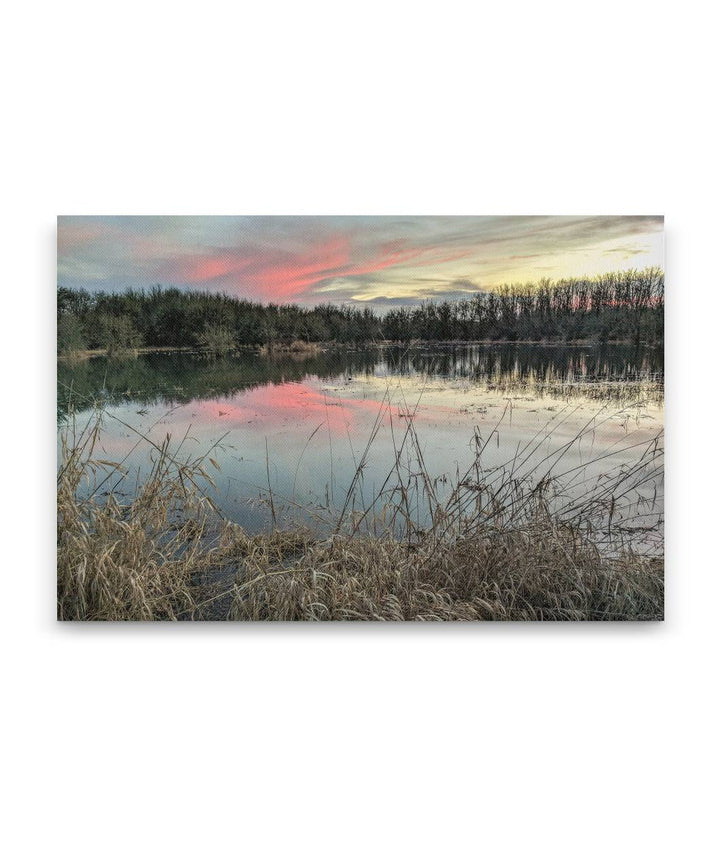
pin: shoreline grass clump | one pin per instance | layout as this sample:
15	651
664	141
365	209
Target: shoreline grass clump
531	575
138	559
505	544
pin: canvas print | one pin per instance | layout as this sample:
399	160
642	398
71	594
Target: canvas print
360	418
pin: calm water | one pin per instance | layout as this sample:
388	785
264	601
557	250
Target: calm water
299	425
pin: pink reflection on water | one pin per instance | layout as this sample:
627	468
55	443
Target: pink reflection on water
291	410
271	407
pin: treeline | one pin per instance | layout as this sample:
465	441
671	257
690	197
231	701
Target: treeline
174	318
626	306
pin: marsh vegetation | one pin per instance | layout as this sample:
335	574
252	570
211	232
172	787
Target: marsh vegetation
498	547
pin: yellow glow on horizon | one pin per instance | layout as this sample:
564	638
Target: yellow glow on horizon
640	251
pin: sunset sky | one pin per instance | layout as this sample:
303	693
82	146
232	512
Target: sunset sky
375	261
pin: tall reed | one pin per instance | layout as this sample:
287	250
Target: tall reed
526	540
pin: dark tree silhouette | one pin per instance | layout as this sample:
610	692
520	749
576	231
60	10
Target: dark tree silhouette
624	306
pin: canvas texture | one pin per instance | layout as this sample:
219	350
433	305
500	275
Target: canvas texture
360	418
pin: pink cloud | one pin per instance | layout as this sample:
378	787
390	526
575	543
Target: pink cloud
278	275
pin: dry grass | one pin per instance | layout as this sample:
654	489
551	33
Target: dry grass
536	574
137	560
298	347
624	392
494	549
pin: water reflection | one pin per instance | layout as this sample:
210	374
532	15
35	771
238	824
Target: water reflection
172	378
298	425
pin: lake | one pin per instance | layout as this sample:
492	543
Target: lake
290	434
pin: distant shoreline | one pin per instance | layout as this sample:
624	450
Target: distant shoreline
344	346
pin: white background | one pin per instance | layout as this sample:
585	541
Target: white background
358	739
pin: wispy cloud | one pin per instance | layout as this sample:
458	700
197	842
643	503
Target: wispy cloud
382	260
